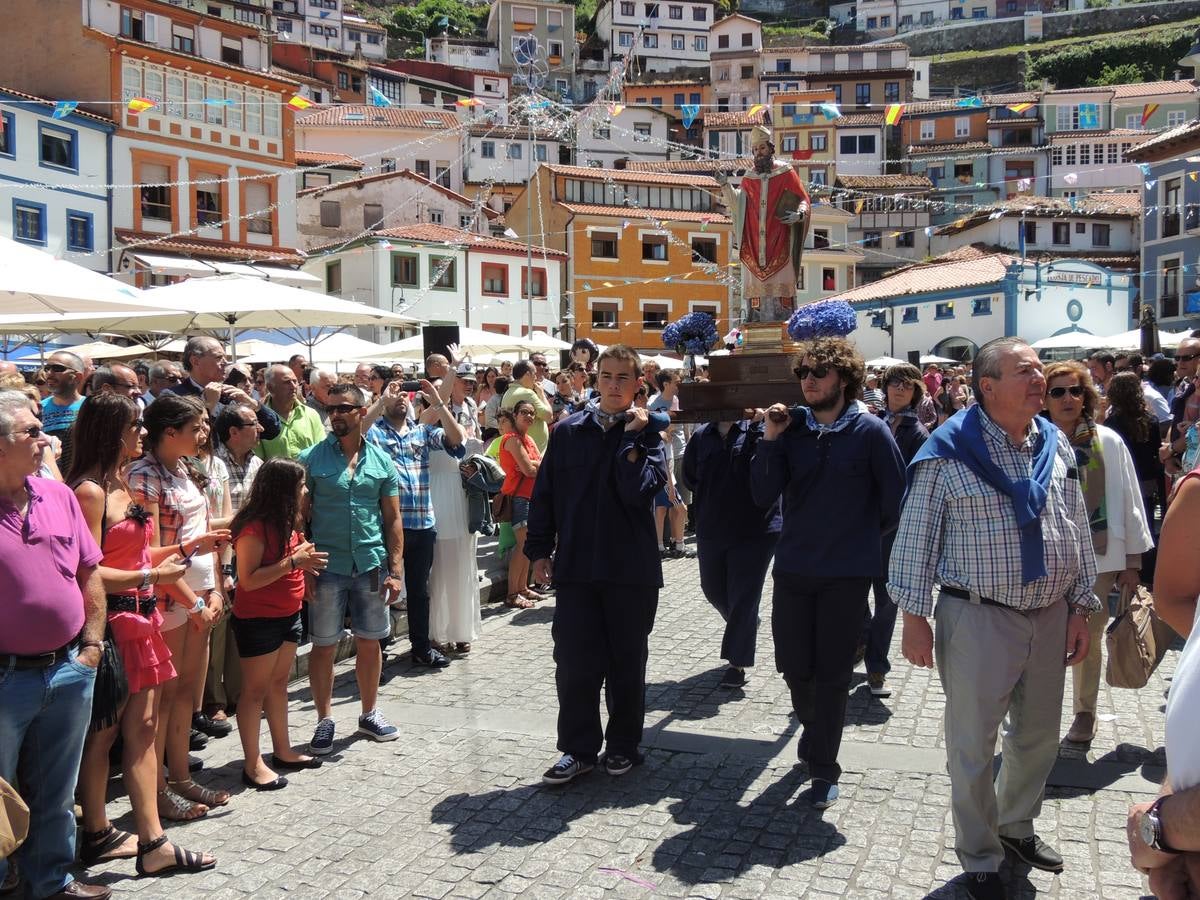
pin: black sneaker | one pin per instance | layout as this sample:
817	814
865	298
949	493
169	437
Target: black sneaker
210	726
566	769
195	763
617	763
197	740
733	678
664	553
1034	852
375	726
322	739
673	552
824	793
878	685
685	552
985	886
431	659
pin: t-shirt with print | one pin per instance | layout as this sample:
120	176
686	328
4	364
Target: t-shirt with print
57	421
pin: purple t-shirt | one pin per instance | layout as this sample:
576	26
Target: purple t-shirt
42	607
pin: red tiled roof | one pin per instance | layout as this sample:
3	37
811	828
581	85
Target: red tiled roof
631	176
1096	206
406	174
739	119
42	101
980	250
964	147
689	165
361	116
859	120
193	246
1013	99
1111	132
330	160
1187	133
1151	88
639	214
441	234
873	182
512	132
994	123
931	277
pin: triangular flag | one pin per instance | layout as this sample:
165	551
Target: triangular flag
830	110
970	102
298	103
1021	107
1147	111
858	206
469	101
1145	167
64	108
377	97
1151	183
607	284
1024	184
928	230
893	114
141	104
756	108
1071	178
690	111
443	22
615	109
1072	201
1192	175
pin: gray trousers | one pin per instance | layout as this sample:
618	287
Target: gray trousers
999	666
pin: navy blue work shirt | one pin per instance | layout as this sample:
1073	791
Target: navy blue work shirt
716	468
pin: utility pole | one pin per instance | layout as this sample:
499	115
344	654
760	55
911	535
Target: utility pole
533	76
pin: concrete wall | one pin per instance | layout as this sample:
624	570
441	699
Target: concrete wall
992	33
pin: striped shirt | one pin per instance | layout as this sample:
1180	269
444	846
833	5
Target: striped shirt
959	531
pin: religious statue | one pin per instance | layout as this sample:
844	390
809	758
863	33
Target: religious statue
770	214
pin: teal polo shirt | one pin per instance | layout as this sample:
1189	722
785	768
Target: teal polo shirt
347	522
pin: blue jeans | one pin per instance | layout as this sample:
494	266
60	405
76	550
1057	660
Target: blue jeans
357	594
44	715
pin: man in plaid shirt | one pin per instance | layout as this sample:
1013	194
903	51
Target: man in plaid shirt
995	516
409	445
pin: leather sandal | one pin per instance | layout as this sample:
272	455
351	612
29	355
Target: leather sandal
101	846
189	790
185	860
174	808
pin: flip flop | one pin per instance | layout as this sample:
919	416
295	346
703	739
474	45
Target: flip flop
100	846
185	860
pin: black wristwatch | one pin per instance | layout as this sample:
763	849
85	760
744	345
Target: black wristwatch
1151	828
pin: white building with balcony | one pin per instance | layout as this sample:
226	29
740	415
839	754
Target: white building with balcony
462	52
662	34
635	134
326	23
735	51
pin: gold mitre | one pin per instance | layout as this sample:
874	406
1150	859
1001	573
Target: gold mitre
760	134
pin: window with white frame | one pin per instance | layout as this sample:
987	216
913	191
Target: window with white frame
487	149
700	43
927	129
641	132
1176	117
678	42
962	126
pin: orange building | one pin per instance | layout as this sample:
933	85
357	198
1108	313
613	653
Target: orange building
643	249
942	122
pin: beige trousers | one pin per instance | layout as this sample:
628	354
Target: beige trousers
999	666
1086	676
224	682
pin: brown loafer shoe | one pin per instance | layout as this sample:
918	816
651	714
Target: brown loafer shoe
77	890
1083	729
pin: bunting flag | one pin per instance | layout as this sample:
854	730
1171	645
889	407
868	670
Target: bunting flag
615	109
1071	178
64	108
298	103
996	215
469	101
443	22
1021	107
928	230
141	104
755	109
1147	111
1073	202
1192	175
217	101
893	114
377	97
858	206
970	103
690	111
830	110
1145	167
1024	184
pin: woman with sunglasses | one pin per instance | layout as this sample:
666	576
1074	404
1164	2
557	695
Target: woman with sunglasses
520	459
1114	505
109	436
171	490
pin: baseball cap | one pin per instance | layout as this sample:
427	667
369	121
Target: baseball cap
465	370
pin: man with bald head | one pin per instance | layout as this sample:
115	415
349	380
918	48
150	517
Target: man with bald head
115	379
362	379
8	368
300	426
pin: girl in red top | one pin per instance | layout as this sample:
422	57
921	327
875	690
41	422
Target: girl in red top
519	457
272	559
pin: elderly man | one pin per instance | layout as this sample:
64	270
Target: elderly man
64	376
204	362
319	383
116	379
363	373
299	425
163	376
51	639
995	516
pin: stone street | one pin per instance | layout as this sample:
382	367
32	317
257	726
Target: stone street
455	807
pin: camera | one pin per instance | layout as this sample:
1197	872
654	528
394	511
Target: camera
410	387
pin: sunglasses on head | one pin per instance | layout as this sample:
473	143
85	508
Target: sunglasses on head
817	372
1076	390
340	408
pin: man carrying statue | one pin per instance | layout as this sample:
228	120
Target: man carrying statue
770	214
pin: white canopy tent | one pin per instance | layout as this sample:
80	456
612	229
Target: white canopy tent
882	362
335	351
937	361
33	283
1069	340
539	340
472	341
1132	340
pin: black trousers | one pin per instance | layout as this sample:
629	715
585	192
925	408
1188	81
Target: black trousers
815	623
601	633
732	579
418	561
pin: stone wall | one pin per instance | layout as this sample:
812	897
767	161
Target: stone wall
993	33
790	9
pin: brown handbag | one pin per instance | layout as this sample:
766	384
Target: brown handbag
502	503
14	819
1137	639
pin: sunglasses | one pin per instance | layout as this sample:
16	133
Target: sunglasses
1058	393
137	424
1187	357
170	379
899	383
817	372
33	431
340	408
41	382
57	368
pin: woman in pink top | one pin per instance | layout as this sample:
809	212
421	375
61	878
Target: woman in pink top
108	435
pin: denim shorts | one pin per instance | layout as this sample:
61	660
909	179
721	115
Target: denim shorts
337	594
258	637
520	512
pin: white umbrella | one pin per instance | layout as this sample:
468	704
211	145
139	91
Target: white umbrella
107	350
1069	340
326	350
665	362
470	340
1131	340
539	340
936	360
882	362
32	283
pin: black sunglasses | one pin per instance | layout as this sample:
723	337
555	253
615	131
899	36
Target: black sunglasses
1187	357
56	368
817	372
899	383
340	408
33	431
1059	392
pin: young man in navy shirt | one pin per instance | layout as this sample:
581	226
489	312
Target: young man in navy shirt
593	513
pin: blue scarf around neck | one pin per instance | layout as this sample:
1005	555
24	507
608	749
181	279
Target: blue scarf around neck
961	438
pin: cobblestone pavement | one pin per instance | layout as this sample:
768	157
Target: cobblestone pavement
455	808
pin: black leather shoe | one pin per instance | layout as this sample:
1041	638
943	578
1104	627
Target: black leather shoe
297	766
985	886
195	763
197	740
278	782
1034	852
210	726
431	659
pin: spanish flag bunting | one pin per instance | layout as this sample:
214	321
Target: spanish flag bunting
858	206
1021	107
469	101
894	111
141	104
1147	111
615	109
298	103
1192	175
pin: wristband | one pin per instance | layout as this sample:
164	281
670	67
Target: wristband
198	607
146	573
227	570
394	575
99	645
